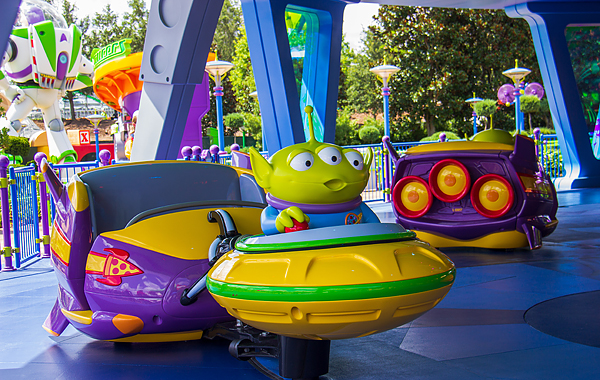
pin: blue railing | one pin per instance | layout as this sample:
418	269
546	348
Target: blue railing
66	171
26	225
551	156
25	189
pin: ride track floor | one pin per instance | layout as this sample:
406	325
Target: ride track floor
511	314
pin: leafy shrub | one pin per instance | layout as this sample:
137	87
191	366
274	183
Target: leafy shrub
234	121
530	104
369	135
17	146
436	136
486	107
253	124
345	129
372	122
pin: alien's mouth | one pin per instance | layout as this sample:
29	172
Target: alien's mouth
335	184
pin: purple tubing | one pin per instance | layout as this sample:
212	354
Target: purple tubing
387	172
7	262
45	254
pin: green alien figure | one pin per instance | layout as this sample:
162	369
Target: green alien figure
313	185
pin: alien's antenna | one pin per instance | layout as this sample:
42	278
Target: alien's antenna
309	110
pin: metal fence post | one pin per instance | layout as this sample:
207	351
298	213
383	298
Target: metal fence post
45	239
104	157
386	172
7	250
15	216
196	152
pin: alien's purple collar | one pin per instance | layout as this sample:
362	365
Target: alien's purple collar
309	208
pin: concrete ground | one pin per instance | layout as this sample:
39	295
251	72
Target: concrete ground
514	314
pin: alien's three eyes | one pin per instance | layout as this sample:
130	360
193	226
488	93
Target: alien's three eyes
329	155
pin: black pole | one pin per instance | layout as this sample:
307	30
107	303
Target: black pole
302	358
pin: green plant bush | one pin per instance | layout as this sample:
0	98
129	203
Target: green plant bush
253	124
372	122
486	108
345	129
234	122
436	136
17	146
369	134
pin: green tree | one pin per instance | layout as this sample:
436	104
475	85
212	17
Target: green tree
68	12
486	108
242	77
253	125
105	28
436	136
363	90
234	122
369	134
228	30
226	34
446	54
135	23
530	104
345	128
17	146
346	58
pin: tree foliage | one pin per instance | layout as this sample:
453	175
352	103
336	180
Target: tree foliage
444	55
224	41
16	146
369	134
234	122
530	104
135	23
362	88
68	12
242	76
346	132
486	108
107	27
228	30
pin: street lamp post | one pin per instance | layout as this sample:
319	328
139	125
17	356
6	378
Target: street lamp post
218	69
517	74
95	119
385	72
472	101
254	96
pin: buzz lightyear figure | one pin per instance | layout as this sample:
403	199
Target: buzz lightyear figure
43	60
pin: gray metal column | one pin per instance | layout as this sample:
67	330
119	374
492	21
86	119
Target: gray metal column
177	44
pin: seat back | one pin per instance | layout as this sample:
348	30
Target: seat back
120	192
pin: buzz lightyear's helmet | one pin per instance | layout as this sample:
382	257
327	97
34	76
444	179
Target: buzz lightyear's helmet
34	11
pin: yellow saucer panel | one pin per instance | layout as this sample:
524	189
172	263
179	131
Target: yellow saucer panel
498	240
361	264
333	319
194	232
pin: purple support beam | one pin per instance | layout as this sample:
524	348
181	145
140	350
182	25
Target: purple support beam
192	134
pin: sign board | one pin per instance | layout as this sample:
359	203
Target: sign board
84	137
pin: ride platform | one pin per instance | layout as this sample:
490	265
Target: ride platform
515	314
